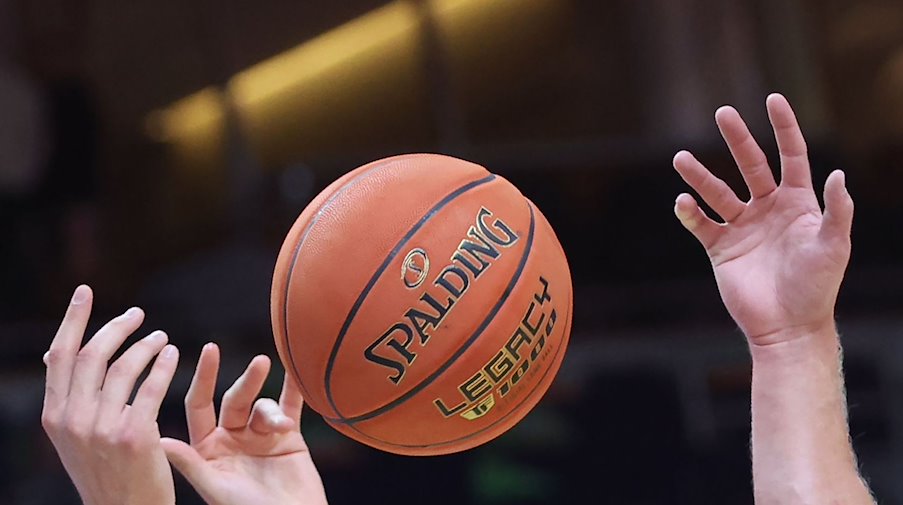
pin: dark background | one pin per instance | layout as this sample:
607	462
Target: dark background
145	150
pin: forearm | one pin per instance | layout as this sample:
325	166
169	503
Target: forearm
800	441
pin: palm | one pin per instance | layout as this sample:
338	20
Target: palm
773	267
253	454
778	260
248	464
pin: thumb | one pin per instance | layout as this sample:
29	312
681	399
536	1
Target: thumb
838	217
186	460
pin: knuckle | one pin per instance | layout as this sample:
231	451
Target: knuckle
132	441
118	369
711	187
104	436
152	389
76	428
87	354
758	160
50	422
55	355
722	190
229	397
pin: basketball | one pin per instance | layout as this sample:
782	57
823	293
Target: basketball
422	303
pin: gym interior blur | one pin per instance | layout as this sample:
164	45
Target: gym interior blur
160	150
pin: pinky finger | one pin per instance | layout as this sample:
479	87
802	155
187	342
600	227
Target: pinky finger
694	219
153	390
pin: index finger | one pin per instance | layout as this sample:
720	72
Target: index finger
60	359
791	144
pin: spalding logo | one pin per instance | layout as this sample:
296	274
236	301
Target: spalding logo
415	268
481	247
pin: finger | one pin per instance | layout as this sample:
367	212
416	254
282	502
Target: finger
791	144
60	359
715	192
838	217
750	159
153	390
91	362
237	400
187	461
267	417
124	372
199	409
694	219
291	400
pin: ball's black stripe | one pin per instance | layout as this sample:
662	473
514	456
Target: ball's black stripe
466	345
494	423
291	268
376	275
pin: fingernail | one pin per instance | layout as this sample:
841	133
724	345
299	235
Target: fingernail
132	312
170	351
156	336
81	295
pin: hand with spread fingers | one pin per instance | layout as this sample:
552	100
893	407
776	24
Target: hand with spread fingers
109	448
778	259
255	454
779	262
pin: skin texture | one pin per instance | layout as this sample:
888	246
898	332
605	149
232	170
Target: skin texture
111	450
255	452
779	260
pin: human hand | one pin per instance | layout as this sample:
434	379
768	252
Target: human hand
778	259
256	454
109	448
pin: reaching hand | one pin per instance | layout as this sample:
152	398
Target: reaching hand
110	449
778	260
255	455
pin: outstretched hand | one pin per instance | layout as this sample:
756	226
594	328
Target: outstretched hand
255	454
778	259
109	447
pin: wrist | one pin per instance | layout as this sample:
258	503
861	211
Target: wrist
797	343
814	333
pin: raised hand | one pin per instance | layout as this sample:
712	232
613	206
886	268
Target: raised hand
255	454
778	259
109	448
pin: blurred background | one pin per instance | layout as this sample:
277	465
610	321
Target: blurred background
160	150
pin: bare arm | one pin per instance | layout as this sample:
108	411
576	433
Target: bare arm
779	261
801	447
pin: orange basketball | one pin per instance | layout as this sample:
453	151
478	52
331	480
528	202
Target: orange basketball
422	303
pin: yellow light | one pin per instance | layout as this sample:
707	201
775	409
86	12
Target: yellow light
445	8
331	67
191	116
294	68
287	71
